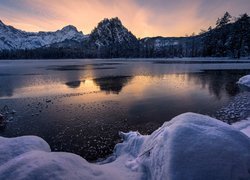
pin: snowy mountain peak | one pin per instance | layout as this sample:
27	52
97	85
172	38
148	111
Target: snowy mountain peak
111	24
115	21
1	23
69	28
14	39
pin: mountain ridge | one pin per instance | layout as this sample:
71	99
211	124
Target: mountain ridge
15	39
111	39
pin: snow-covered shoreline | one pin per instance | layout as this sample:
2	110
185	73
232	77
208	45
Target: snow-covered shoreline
189	146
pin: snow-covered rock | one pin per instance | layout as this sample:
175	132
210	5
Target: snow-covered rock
13	39
190	146
243	126
29	157
244	81
13	147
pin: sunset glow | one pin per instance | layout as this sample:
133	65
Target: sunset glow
142	17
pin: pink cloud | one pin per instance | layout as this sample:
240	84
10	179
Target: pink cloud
143	18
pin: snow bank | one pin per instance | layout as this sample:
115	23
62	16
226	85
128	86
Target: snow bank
29	157
244	81
193	146
243	126
190	146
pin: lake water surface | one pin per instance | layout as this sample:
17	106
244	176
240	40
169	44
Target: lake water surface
80	105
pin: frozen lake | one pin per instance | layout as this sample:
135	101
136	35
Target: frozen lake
80	105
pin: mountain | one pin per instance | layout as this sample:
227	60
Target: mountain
111	39
111	31
15	39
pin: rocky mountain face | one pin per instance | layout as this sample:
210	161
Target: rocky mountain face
110	39
111	31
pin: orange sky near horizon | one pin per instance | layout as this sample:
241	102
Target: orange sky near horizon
142	17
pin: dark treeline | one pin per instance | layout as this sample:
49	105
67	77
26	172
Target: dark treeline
229	38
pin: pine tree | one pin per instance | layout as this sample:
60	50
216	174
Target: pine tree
240	39
224	20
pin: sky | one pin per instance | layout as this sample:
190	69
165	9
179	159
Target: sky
144	18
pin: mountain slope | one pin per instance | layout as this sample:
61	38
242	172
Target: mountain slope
111	31
110	39
111	34
15	39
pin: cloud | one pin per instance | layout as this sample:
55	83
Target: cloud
142	17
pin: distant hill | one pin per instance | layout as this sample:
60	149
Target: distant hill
110	39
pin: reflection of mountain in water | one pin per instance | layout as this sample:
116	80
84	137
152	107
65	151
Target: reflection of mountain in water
6	87
218	82
112	84
6	92
73	84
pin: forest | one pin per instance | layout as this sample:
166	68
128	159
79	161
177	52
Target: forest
230	37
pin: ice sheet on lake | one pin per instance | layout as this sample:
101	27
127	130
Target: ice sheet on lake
190	145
